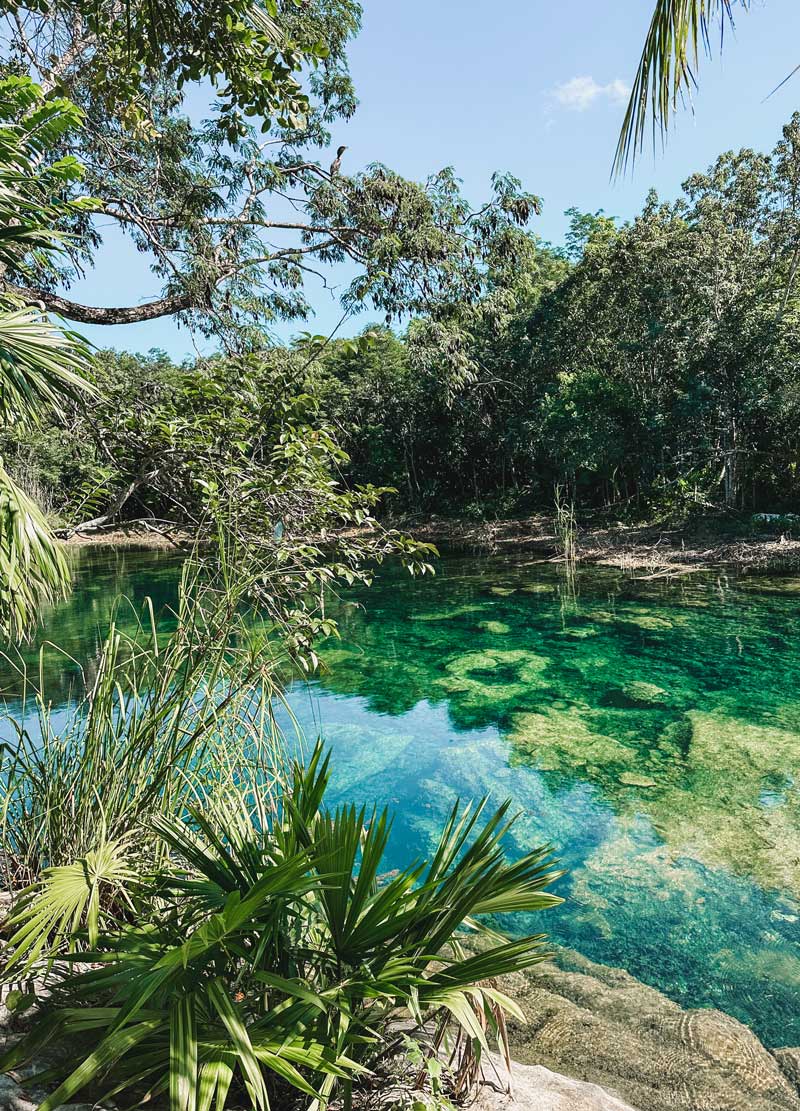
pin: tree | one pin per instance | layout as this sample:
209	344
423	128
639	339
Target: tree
653	367
232	447
235	210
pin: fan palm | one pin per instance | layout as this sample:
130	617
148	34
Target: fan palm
269	954
40	363
679	30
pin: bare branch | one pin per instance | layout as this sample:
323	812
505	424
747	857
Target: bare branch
90	314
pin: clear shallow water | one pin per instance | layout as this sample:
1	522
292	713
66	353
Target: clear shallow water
649	729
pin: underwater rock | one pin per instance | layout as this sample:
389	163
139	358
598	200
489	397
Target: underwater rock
580	633
638	695
789	1064
769	964
495	675
561	740
677	735
649	622
646	694
496	628
631	779
600	1024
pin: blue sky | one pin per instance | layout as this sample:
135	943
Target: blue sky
529	86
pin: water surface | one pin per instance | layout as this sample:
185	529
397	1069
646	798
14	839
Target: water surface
649	729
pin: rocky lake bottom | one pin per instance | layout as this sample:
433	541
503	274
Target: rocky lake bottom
647	728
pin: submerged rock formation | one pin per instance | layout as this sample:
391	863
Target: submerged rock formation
601	1025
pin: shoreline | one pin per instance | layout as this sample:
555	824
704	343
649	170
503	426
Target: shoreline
661	550
135	535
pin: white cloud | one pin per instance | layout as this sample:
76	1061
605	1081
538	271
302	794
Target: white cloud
580	93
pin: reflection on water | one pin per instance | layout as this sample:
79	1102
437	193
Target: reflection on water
649	729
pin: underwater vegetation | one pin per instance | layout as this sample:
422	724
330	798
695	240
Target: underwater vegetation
649	729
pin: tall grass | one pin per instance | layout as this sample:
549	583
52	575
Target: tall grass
566	526
161	724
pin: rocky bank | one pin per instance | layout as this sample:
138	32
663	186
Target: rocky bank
599	1024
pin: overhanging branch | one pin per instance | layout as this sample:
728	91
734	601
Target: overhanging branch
91	314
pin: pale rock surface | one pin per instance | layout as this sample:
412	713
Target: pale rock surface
13	1098
536	1088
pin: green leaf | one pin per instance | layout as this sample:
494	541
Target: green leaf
234	1024
110	1050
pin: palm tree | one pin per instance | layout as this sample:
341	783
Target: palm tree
41	364
679	32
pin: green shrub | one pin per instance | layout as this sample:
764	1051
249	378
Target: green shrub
163	717
267	958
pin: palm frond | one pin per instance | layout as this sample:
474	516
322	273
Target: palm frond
33	568
679	31
272	955
68	898
40	365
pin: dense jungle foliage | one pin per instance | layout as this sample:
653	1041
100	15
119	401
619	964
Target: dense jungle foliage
648	366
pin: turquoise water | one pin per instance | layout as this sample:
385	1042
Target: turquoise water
649	729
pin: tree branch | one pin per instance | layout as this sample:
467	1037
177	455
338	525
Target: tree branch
91	314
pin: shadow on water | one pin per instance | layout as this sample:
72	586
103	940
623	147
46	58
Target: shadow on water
649	729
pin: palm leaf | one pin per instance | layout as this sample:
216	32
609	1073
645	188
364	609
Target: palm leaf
33	568
67	898
40	365
182	1055
679	30
110	1050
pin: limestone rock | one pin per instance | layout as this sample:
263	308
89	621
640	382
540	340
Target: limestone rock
639	695
536	1088
645	694
496	628
15	1098
601	1025
789	1064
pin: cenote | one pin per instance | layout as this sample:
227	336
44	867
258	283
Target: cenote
648	728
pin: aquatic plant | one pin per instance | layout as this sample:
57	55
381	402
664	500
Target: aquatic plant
565	526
